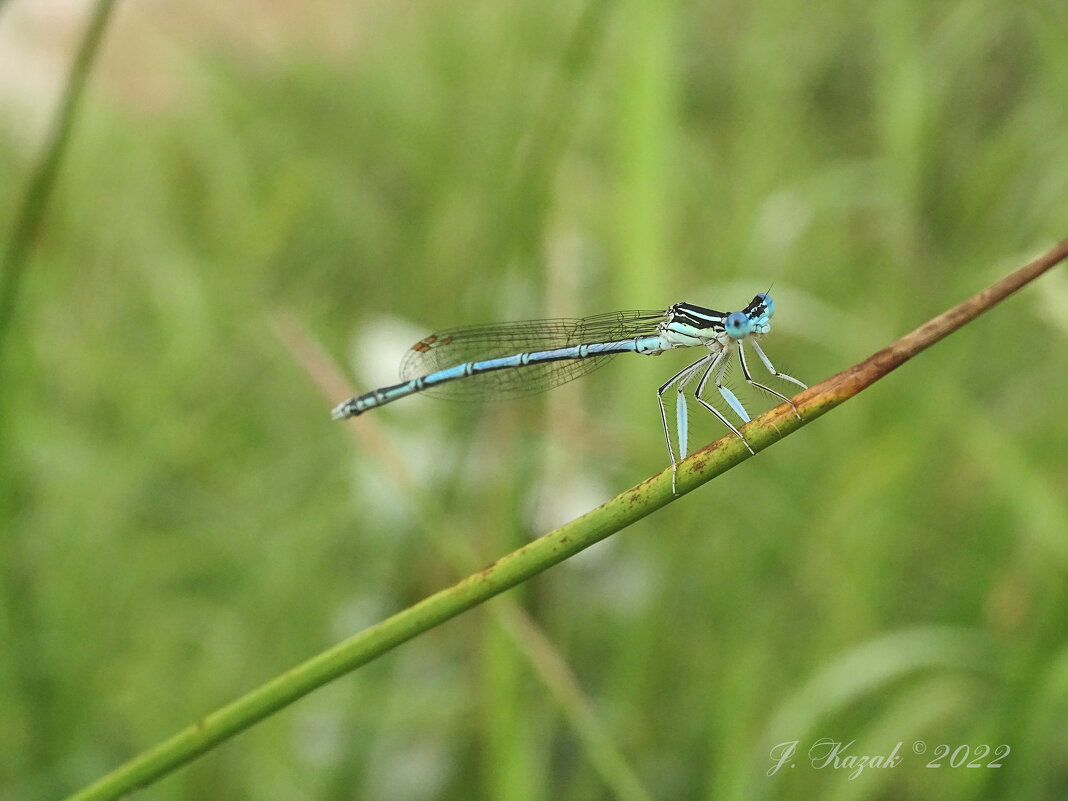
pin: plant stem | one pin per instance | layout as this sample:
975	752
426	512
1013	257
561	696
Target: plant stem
549	550
43	180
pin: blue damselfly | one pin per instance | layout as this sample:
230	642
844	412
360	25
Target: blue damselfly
521	358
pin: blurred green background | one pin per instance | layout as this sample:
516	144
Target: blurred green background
260	199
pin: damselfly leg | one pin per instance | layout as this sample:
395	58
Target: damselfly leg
772	370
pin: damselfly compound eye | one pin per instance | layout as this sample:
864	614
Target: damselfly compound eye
737	325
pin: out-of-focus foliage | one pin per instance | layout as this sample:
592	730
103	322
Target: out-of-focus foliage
180	519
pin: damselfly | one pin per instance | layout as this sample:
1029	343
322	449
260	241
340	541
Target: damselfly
514	359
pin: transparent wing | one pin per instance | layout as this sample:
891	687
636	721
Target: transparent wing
477	343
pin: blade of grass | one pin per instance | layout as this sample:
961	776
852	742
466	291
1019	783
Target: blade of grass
531	559
17	553
35	203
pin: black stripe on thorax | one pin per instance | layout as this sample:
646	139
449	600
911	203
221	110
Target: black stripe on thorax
698	316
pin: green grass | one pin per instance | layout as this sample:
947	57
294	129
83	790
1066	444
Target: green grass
181	520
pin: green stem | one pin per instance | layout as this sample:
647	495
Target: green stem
43	180
549	550
17	554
